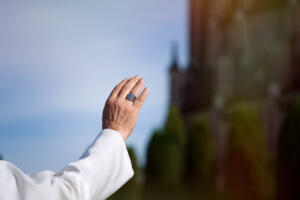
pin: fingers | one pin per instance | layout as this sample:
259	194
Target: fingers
117	89
142	98
128	87
138	87
134	85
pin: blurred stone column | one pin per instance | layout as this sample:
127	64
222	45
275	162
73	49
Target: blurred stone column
219	129
295	47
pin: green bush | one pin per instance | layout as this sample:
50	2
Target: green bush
200	153
165	153
248	152
174	127
154	168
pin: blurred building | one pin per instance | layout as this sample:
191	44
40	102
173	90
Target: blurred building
239	50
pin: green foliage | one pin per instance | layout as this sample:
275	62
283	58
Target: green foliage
165	152
174	127
1	158
200	153
132	189
247	131
163	160
261	5
154	158
247	137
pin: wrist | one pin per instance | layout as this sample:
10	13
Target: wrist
116	131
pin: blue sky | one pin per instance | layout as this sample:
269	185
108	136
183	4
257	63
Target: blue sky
59	61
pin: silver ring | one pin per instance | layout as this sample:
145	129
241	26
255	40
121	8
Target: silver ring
131	97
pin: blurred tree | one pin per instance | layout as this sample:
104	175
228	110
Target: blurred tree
174	127
200	166
132	189
249	169
154	157
1	158
165	151
288	174
200	154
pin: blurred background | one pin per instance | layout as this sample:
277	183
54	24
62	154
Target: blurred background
222	120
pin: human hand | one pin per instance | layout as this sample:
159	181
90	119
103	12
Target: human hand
121	114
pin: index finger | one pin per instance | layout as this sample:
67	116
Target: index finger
117	88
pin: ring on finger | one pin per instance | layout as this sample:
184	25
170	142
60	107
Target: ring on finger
131	97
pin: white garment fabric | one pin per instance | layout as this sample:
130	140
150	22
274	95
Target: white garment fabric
102	169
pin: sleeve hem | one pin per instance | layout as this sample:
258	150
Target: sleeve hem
108	131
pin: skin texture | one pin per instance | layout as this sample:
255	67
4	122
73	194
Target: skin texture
121	114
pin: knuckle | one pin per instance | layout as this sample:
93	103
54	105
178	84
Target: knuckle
118	102
109	101
140	83
126	87
115	103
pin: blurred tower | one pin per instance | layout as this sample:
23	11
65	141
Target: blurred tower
177	78
198	31
192	89
199	84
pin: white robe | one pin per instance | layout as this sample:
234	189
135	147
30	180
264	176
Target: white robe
101	170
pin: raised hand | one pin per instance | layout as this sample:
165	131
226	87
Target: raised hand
119	113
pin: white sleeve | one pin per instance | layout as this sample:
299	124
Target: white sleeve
102	169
